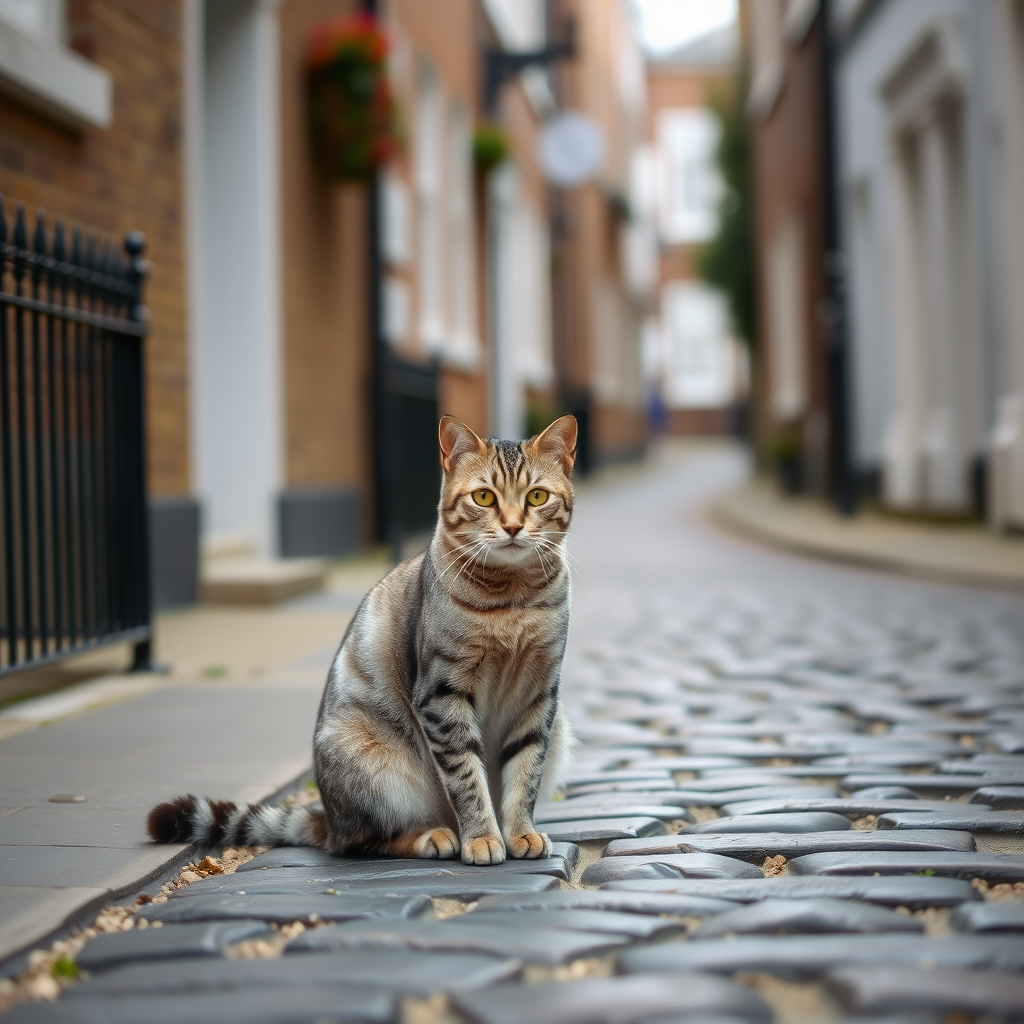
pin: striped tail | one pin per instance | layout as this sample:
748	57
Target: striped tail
221	823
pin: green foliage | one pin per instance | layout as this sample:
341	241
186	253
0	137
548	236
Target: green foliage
539	416
65	969
490	146
727	261
783	447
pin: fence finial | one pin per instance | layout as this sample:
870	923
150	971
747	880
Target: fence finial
20	232
58	241
77	251
3	223
39	242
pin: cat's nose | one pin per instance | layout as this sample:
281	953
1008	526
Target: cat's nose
511	528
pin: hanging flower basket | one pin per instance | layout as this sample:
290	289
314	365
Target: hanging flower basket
352	119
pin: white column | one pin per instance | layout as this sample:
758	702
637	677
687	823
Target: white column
943	450
1004	47
508	407
901	470
238	394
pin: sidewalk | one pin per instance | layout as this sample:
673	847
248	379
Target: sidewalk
955	553
232	719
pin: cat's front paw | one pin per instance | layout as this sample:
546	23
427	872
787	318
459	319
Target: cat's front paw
529	846
440	843
484	850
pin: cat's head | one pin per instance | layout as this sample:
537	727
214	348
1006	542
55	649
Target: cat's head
507	501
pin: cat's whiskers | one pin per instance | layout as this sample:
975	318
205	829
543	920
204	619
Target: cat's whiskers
469	558
459	549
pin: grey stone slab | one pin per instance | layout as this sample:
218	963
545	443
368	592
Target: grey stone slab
281	908
955	816
587	829
671	865
583	778
884	793
939	783
549	946
635	926
685	763
850	806
881	759
604	899
173	940
29	912
719	798
884	990
982	764
1001	798
618	1000
641	787
71	824
757	846
813	821
807	917
901	891
308	1006
581	810
568	851
995	916
332	876
993	867
782	787
797	956
396	970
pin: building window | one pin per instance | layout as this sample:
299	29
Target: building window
690	183
37	68
698	370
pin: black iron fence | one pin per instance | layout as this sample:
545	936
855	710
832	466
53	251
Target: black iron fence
74	546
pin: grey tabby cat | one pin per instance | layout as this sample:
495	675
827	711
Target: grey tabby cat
441	724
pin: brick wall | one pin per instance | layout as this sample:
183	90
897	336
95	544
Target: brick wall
120	179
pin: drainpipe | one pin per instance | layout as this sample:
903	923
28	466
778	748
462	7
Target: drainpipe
378	355
833	313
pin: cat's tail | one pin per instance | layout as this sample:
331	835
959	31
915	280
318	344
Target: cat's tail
220	823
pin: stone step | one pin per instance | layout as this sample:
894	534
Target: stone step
255	581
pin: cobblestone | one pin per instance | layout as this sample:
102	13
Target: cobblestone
798	796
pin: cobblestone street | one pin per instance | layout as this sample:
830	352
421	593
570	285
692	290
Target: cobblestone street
798	796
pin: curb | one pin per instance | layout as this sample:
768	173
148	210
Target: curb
737	513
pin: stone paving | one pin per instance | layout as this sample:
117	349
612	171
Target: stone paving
797	797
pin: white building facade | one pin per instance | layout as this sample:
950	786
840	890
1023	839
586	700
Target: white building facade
931	113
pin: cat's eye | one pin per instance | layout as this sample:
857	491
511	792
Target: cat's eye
536	497
484	497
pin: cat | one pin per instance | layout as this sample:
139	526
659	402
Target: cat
441	723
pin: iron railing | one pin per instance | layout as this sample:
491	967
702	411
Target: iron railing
74	544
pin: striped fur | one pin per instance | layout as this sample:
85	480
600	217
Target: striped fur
440	724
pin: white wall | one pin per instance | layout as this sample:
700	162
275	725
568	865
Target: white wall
911	221
520	306
236	347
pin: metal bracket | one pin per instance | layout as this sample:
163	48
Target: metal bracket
500	65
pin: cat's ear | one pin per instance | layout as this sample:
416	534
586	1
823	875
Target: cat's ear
559	441
456	440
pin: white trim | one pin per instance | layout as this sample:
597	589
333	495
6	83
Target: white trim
56	81
193	82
